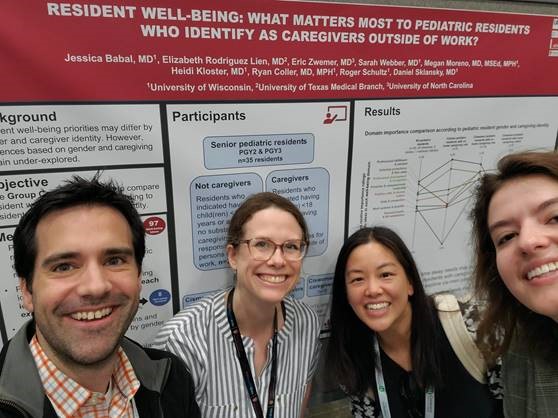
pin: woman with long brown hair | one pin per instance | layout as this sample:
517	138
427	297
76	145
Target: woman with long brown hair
516	237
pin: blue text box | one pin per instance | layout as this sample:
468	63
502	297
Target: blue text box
298	291
213	200
308	189
320	285
257	150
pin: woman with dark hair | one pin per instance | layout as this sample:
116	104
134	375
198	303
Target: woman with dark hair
388	348
251	349
515	222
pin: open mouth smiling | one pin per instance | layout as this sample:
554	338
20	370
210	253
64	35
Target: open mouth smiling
377	306
541	270
273	278
91	315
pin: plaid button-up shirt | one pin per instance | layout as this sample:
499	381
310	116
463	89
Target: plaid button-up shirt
70	399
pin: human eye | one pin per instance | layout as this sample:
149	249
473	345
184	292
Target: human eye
386	274
503	239
62	268
355	279
553	219
115	261
260	244
292	246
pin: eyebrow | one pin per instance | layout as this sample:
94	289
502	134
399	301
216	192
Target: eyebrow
54	258
505	222
269	239
57	257
381	266
389	263
120	251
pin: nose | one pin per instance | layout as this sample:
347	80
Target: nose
532	237
94	282
373	287
277	258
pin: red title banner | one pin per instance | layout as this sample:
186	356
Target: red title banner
166	50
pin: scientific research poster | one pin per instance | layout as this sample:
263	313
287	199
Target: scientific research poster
298	150
416	164
360	114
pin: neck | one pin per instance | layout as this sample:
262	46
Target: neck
254	318
396	340
96	380
94	377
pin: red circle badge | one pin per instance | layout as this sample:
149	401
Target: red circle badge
154	225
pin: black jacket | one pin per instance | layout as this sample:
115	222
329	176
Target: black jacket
166	391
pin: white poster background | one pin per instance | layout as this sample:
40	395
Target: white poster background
58	136
416	164
156	271
315	170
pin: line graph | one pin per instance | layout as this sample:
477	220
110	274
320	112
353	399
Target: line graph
443	194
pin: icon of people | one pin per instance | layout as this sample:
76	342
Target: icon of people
329	118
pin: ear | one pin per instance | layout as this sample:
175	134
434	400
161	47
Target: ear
231	256
27	295
410	290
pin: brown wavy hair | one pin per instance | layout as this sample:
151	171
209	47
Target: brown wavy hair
505	316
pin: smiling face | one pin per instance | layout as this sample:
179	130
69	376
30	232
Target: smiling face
85	287
378	289
523	224
266	281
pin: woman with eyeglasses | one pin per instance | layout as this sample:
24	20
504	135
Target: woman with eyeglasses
251	349
389	349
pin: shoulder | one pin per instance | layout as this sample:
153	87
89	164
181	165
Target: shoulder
203	308
189	327
192	320
301	312
173	381
178	368
154	367
302	319
465	309
459	322
156	354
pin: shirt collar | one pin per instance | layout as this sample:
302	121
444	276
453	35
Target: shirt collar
68	396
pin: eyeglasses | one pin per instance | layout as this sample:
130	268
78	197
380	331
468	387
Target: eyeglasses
262	249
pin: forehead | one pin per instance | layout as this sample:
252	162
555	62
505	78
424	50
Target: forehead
371	255
83	227
521	194
272	221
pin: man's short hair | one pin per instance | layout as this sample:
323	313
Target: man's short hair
73	192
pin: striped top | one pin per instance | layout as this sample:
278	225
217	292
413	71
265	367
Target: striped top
201	336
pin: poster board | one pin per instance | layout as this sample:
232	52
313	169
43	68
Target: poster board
360	114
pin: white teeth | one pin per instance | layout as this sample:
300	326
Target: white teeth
90	315
545	268
377	306
273	279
